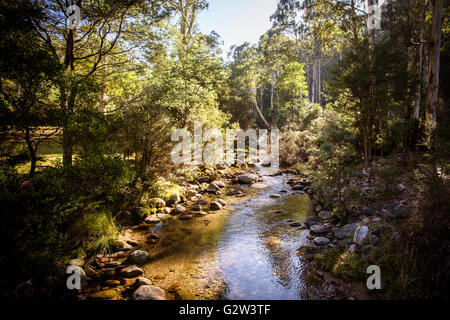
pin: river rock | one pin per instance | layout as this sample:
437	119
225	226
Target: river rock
219	183
139	257
149	292
324	215
197	207
361	233
309	221
107	274
320	241
275	195
318	229
179	209
222	202
401	187
142	281
297	187
346	231
213	187
247	178
104	295
185	217
295	224
215	206
131	271
152	220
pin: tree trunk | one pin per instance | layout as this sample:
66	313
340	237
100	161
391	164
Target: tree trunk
418	97
32	152
68	102
434	61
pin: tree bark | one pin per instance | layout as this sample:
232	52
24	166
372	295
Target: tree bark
434	61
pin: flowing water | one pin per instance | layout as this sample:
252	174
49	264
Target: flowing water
247	251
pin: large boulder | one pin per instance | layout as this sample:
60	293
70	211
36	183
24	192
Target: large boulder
149	292
139	257
248	178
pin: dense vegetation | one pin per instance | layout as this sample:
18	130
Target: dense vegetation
87	116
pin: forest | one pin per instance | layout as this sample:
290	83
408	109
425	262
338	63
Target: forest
91	92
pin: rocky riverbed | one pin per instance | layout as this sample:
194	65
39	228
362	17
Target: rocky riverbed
241	236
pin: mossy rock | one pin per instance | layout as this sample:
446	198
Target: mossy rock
105	295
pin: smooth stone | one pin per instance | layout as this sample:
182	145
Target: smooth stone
142	281
149	292
318	229
320	241
139	257
222	202
152	220
185	217
131	271
275	195
296	224
247	178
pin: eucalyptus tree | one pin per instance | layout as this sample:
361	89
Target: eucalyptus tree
107	31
